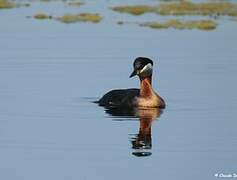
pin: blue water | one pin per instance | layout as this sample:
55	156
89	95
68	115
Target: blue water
51	72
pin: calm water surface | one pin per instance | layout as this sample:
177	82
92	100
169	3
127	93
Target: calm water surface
51	72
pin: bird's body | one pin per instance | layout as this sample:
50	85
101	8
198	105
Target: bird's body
119	98
145	97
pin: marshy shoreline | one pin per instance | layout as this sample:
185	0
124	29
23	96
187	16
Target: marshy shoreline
209	13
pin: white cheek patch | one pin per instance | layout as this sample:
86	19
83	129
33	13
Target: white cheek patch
147	68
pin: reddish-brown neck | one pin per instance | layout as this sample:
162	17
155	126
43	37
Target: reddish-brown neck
145	86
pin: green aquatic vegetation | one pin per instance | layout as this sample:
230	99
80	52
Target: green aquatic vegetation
182	8
189	8
135	10
42	16
198	24
6	4
77	3
83	17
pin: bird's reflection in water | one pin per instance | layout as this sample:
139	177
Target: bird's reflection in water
141	142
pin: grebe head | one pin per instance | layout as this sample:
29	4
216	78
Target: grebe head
142	67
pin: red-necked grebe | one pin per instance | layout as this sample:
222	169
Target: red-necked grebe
145	97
